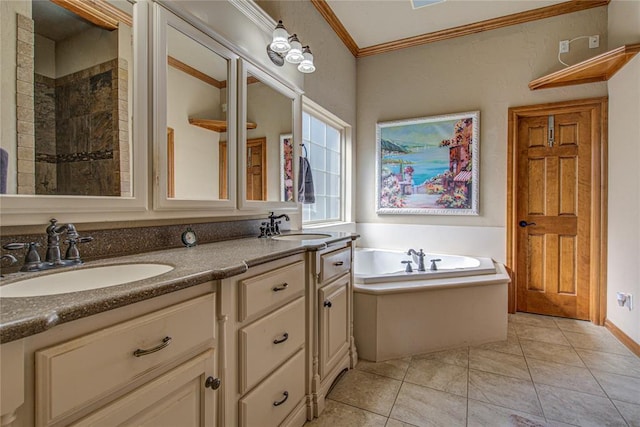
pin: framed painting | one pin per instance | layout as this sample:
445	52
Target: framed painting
428	165
286	168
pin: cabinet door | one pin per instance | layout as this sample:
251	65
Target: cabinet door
333	306
177	398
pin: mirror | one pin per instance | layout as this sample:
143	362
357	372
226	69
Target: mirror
72	130
268	166
195	126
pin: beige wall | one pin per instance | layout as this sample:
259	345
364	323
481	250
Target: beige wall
624	175
487	72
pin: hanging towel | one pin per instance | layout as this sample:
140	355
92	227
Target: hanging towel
4	165
306	193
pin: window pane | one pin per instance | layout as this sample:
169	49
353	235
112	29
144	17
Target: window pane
333	185
333	208
333	162
318	132
306	127
319	183
318	212
333	139
316	157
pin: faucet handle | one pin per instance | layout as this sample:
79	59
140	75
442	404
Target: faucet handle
32	258
408	269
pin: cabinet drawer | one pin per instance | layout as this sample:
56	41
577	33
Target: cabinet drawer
275	398
268	342
334	264
270	290
77	373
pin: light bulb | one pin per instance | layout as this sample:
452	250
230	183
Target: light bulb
306	66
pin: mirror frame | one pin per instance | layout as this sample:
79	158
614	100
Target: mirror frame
244	69
22	209
162	19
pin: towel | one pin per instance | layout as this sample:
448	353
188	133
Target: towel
306	193
4	165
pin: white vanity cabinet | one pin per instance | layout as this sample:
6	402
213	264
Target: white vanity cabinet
266	352
334	349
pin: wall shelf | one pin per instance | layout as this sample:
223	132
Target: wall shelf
597	69
215	125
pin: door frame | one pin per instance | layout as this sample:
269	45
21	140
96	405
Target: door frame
598	227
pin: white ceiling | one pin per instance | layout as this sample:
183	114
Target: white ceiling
371	22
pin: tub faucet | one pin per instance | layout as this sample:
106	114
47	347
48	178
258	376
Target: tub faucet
420	258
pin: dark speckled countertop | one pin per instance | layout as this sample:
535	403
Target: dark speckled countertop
22	317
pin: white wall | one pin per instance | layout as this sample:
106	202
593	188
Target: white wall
86	49
45	56
624	174
488	72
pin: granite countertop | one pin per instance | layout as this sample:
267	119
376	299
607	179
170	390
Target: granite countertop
22	317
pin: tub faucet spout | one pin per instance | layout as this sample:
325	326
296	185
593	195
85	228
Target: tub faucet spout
418	257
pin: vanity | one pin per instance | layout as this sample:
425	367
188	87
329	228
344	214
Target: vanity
247	332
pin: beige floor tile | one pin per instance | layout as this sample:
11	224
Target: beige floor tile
551	352
498	363
482	414
630	412
457	356
608	362
438	375
511	345
504	391
565	376
395	369
395	423
581	326
338	414
604	343
366	391
619	387
574	407
422	406
534	320
535	333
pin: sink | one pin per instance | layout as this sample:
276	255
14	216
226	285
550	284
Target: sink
82	279
301	236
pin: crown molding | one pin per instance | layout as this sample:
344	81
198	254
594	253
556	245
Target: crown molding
255	13
490	24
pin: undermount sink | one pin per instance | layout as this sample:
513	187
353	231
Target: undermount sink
84	279
301	236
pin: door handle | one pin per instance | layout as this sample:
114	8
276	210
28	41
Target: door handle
524	223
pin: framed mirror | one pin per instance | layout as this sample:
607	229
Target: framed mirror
267	151
68	137
195	117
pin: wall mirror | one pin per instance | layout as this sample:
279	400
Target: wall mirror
267	166
195	126
68	131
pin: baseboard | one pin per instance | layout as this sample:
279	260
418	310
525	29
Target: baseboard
624	338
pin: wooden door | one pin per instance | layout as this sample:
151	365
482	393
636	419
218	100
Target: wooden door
256	169
554	216
333	323
223	171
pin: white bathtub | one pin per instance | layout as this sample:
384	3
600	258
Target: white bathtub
398	314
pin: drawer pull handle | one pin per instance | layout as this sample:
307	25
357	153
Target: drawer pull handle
327	303
140	352
281	287
212	383
284	399
338	263
285	337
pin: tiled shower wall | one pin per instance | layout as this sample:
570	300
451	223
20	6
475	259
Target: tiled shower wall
84	150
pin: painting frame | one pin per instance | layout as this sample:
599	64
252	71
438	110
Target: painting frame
429	165
287	192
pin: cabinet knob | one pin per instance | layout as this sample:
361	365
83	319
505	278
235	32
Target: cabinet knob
280	287
143	352
327	303
338	263
285	337
212	383
284	399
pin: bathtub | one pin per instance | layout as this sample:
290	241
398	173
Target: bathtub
399	314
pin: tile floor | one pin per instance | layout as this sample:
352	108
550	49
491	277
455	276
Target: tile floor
549	372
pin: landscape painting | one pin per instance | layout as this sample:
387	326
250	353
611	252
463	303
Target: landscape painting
429	165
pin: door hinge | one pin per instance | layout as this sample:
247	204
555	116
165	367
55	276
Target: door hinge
551	130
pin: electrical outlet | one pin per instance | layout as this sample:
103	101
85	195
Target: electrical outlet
564	46
594	41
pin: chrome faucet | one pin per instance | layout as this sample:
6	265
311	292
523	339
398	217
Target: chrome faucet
420	258
272	228
12	260
53	258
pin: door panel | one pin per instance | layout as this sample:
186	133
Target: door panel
554	198
256	169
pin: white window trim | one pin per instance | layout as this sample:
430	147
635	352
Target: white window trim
346	168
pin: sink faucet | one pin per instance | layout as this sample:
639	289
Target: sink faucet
420	256
53	258
272	228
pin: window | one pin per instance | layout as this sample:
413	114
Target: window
324	140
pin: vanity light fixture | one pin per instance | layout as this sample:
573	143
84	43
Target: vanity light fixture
284	47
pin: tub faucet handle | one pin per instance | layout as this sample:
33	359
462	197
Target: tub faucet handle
408	269
434	267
